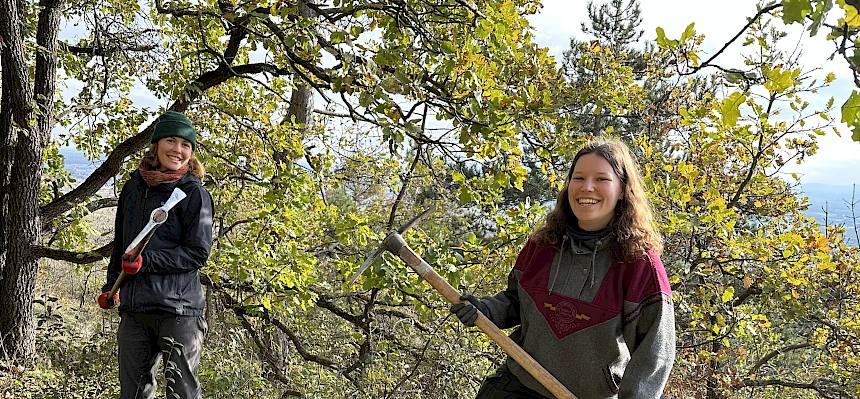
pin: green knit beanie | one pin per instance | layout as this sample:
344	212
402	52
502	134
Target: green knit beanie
174	124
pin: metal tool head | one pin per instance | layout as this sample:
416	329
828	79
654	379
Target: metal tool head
408	225
176	196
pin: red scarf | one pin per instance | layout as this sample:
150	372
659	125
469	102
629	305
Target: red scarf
156	177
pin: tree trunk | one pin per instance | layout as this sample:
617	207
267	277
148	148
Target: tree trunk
714	367
19	272
29	130
302	96
11	58
7	151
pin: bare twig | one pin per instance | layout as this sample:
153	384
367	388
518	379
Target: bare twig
750	22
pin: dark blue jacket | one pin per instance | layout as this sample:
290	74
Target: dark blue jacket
168	281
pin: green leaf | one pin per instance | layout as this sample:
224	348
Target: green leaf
855	59
818	15
778	80
688	33
484	29
465	196
850	110
795	10
851	107
338	37
730	109
661	38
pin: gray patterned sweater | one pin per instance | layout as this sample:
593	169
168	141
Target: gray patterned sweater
604	329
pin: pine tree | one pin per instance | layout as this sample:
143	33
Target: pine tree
614	24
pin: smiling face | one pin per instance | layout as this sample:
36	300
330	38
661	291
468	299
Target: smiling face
173	153
593	191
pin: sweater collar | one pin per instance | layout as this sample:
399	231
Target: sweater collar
578	234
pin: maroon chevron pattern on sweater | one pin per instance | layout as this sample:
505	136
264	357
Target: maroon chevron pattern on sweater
638	281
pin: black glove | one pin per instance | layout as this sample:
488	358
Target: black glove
467	312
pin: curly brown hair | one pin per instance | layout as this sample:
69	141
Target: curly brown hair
633	224
150	159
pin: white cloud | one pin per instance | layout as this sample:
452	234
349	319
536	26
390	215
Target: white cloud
556	23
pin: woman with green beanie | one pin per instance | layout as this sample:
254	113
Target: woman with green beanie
161	299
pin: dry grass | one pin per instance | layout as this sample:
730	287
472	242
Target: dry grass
78	284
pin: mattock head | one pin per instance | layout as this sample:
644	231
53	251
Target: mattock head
382	247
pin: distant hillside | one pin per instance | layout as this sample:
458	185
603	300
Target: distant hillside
835	199
77	164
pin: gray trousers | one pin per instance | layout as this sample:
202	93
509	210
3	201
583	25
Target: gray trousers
146	338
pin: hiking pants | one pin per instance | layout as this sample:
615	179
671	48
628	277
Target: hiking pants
146	338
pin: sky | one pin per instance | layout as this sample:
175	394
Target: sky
838	159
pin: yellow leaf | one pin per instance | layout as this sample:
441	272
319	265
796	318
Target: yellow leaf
728	294
852	18
795	280
761	320
826	266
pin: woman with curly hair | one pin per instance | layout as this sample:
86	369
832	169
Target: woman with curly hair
588	292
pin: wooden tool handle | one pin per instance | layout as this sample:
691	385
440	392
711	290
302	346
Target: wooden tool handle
122	275
116	285
399	247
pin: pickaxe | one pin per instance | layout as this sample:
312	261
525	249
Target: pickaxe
395	244
156	218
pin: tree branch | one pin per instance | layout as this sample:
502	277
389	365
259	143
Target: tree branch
406	178
111	166
97	179
365	348
92	206
241	313
749	293
106	202
101	51
325	303
756	157
741	32
774	354
80	258
298	344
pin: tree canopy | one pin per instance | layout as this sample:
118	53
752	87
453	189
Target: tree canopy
323	125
